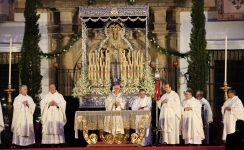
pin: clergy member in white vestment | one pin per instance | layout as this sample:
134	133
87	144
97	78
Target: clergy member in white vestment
22	124
1	122
192	126
232	110
207	115
53	117
114	102
143	102
170	116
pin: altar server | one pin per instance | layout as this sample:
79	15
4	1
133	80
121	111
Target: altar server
143	102
53	117
114	102
22	124
207	115
232	110
170	116
192	126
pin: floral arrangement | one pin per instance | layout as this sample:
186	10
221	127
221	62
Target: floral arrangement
100	87
82	87
131	86
148	81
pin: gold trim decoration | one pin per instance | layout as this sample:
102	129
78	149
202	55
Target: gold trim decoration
94	120
134	137
126	136
90	139
119	138
9	90
114	12
137	138
107	139
225	88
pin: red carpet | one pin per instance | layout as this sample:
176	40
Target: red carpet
138	148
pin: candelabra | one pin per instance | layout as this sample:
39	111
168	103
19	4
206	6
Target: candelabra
9	90
8	116
225	88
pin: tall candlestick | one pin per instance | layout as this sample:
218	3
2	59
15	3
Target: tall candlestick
10	57
225	73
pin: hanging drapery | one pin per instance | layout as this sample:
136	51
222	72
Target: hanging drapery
123	12
114	19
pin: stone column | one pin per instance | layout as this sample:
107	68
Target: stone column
174	44
160	31
66	17
160	24
66	60
55	42
178	24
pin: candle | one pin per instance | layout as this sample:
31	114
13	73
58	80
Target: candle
156	63
225	74
93	58
10	57
138	56
142	58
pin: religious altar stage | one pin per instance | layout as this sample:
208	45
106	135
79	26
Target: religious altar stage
138	148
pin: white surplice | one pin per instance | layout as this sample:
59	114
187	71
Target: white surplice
169	119
1	122
114	124
145	102
207	117
22	124
207	110
53	119
192	126
230	117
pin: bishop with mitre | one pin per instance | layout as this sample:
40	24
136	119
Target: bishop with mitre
114	102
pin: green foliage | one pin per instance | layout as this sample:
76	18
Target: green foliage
164	51
130	86
198	60
148	81
91	2
30	62
131	2
82	87
59	52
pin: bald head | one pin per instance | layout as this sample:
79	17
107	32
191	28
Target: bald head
199	94
23	89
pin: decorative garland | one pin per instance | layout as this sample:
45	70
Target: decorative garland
91	2
155	45
148	80
74	38
131	2
82	86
